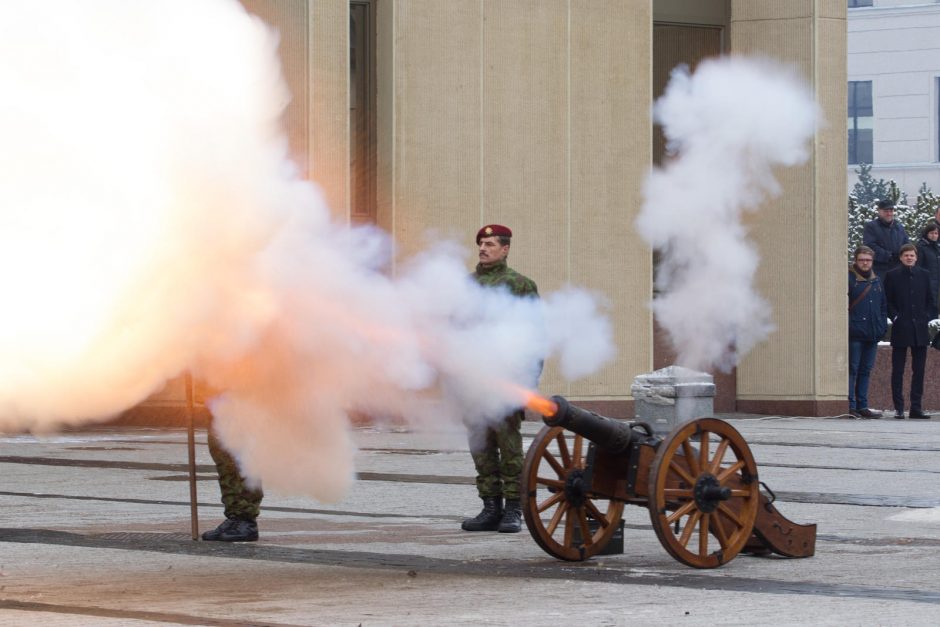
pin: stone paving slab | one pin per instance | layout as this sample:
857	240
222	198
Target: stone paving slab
94	530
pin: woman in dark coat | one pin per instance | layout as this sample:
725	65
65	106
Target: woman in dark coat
928	255
868	322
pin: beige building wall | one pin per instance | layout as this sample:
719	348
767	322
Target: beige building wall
327	92
533	114
611	148
802	367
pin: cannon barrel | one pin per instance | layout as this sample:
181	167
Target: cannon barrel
613	435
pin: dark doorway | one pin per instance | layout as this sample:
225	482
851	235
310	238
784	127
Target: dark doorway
674	45
362	112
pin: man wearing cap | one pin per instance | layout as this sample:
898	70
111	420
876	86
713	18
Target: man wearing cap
885	236
499	461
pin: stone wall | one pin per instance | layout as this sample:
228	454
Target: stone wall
879	391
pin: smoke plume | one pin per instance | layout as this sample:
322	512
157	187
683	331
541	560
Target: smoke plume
727	126
152	223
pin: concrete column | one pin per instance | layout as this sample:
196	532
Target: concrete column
802	368
327	121
313	48
610	95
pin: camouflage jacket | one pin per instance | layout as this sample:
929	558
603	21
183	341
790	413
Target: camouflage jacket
501	274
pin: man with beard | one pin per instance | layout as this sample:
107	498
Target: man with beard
497	452
868	322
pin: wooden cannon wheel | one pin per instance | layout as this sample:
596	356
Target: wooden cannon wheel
563	516
703	493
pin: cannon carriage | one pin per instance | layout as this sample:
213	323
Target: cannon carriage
699	482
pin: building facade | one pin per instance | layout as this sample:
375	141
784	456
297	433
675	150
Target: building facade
430	118
894	91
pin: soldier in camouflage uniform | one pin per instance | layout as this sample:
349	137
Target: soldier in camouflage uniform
242	504
499	462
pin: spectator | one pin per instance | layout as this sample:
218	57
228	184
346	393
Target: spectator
868	322
911	305
928	255
885	236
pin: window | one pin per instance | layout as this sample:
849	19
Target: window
861	119
854	4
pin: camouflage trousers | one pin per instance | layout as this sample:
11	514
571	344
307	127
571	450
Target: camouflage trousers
240	501
499	462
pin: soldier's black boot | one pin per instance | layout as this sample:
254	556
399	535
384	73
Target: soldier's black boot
488	519
512	517
233	530
215	535
241	531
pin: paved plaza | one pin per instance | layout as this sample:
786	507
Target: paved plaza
95	530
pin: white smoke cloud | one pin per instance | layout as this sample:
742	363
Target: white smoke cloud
728	126
582	349
152	223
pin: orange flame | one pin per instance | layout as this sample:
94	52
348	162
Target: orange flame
540	404
531	399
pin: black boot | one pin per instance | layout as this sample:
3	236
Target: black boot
512	517
233	530
214	535
488	519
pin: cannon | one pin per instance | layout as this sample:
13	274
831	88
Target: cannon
699	482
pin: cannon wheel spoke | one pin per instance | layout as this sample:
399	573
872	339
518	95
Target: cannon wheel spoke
720	532
703	531
562	443
550	501
567	530
577	460
554	484
557	466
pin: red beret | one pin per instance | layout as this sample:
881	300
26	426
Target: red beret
491	230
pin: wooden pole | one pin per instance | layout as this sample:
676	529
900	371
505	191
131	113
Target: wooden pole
190	411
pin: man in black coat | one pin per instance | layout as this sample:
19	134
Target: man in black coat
911	305
885	236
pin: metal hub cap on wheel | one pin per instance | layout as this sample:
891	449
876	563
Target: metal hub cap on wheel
575	488
709	493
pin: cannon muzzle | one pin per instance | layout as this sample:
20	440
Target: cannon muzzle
610	434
